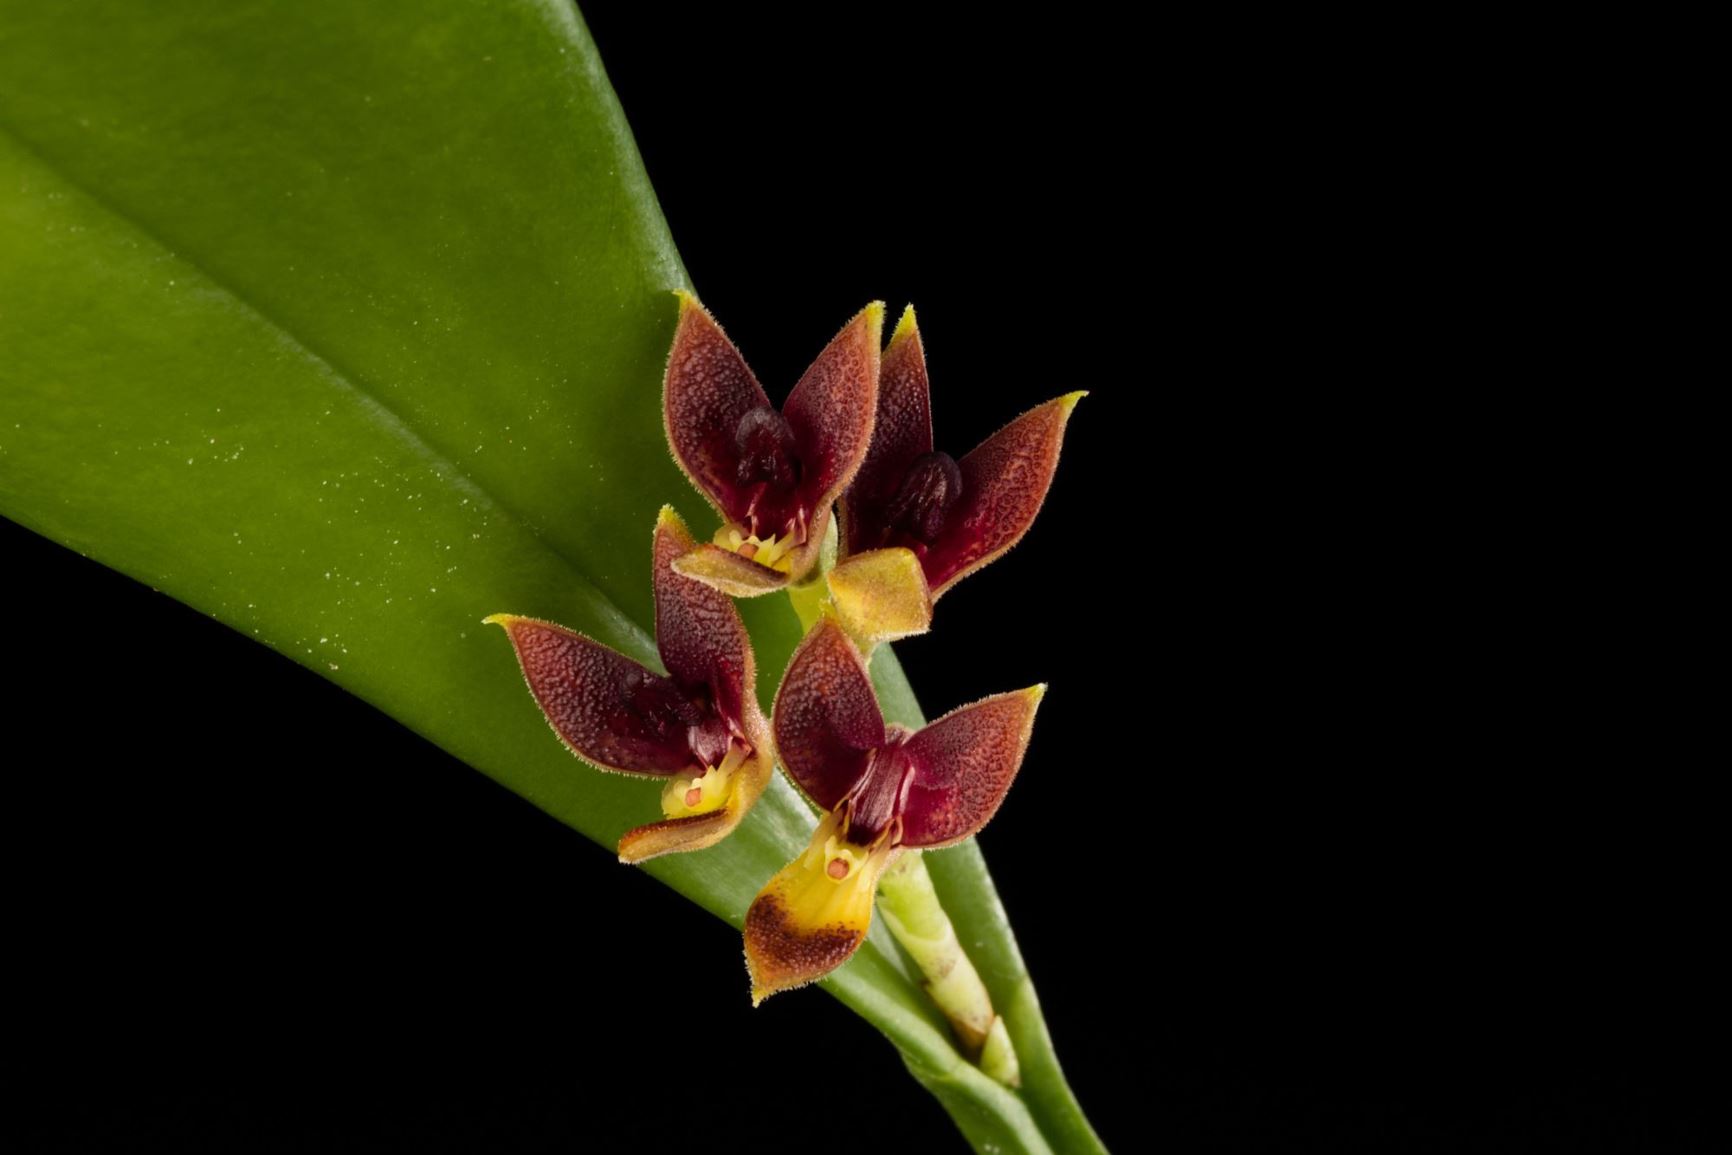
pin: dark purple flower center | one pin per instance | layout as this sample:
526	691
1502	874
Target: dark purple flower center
766	445
932	486
709	740
878	799
674	715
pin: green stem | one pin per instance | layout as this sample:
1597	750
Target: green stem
914	915
911	908
959	871
809	596
808	599
1016	1100
960	877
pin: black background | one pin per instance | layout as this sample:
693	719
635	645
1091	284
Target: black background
1329	835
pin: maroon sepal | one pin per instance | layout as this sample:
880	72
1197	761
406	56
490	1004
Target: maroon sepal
942	783
698	719
883	788
956	516
772	475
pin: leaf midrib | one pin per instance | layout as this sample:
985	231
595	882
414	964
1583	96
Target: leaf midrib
628	631
376	408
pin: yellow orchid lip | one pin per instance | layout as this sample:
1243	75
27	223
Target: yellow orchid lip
815	912
882	788
711	790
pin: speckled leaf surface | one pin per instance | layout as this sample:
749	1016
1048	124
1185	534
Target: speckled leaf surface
345	324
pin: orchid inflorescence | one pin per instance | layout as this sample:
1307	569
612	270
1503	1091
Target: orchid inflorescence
855	434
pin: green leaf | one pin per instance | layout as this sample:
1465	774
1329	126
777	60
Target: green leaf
345	325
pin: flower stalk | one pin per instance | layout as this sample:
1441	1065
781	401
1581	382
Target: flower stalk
912	910
916	917
908	523
808	596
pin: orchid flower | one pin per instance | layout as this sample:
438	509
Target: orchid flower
882	787
698	727
772	475
915	522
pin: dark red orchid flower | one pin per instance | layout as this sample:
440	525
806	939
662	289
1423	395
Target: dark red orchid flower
915	521
773	475
698	726
882	788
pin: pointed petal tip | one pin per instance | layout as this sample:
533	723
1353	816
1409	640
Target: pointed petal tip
669	518
585	692
789	942
763	983
873	316
964	764
1005	482
906	327
689	304
503	621
678	835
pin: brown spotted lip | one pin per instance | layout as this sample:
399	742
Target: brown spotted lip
883	788
783	954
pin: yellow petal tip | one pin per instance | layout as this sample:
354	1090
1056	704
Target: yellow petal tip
501	620
1069	400
874	314
906	327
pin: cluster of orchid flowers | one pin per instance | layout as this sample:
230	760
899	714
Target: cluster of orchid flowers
855	434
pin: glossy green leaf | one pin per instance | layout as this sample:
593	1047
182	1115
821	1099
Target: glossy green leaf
344	323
